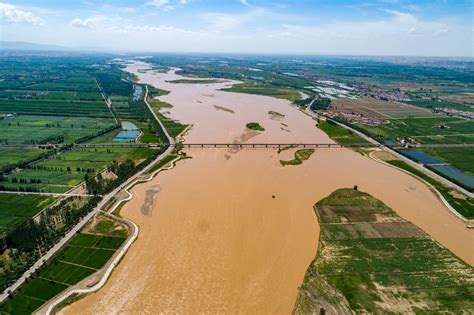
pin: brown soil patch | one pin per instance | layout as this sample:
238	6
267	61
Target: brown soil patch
457	194
377	109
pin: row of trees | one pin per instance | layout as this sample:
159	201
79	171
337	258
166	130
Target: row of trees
321	103
30	240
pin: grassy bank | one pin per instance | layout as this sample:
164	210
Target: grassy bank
370	260
339	134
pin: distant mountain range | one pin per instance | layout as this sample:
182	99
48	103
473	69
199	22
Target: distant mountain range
5	45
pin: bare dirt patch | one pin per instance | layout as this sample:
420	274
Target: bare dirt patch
377	109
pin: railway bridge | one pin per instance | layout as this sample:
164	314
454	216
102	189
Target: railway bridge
238	145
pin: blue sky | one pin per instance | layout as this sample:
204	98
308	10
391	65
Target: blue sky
344	27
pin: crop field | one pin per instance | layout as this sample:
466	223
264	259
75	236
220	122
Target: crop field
339	134
25	129
375	108
427	130
51	95
370	260
66	170
461	158
15	156
428	103
55	108
16	209
83	256
81	84
121	105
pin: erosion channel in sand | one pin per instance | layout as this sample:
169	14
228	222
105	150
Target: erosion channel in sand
234	231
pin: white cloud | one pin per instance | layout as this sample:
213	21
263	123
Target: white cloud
149	29
11	13
401	16
89	22
245	2
225	21
166	5
401	34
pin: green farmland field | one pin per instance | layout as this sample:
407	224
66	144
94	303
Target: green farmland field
55	108
370	260
440	103
426	130
68	169
51	95
16	209
84	255
37	129
14	156
461	158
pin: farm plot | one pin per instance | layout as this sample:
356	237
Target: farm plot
370	260
43	129
378	109
461	158
427	130
10	157
84	255
55	108
428	103
16	209
125	109
69	84
51	95
66	170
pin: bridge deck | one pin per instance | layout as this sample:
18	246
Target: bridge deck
235	145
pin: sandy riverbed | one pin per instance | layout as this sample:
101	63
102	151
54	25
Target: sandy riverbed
233	232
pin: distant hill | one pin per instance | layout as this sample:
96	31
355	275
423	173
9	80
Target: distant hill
5	45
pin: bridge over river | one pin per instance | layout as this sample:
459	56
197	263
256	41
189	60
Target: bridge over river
236	145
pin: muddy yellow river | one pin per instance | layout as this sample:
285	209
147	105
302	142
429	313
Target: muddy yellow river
234	231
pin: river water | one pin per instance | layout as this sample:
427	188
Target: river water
234	231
